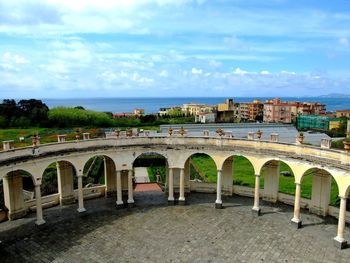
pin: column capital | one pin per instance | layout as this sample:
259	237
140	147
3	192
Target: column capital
342	197
219	170
80	175
298	183
257	175
37	181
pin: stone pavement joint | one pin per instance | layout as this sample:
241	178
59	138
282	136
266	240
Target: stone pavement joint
155	232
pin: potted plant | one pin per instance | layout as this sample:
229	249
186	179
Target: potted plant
259	134
182	131
220	132
117	132
35	139
77	134
300	138
129	132
170	131
346	143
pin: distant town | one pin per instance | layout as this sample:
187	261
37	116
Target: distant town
304	115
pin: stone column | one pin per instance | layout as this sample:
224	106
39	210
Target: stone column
65	183
171	186
80	194
119	189
339	240
13	195
105	175
271	181
39	209
130	190
256	208
296	219
182	187
218	202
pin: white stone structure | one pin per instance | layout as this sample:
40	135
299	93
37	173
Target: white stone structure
120	154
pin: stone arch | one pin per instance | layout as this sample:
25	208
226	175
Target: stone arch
66	179
193	167
320	192
49	181
278	176
96	167
157	163
14	194
237	170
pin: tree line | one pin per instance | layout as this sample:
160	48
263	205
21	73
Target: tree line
35	113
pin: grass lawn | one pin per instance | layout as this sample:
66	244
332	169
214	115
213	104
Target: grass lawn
243	174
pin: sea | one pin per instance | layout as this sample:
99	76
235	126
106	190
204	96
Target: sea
152	105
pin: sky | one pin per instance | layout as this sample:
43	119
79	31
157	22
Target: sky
173	48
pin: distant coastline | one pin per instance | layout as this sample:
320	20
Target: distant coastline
152	105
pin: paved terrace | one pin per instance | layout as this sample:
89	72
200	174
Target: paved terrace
155	232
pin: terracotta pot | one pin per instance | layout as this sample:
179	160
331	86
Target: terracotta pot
117	132
346	146
300	139
170	131
220	132
258	134
129	132
34	140
182	131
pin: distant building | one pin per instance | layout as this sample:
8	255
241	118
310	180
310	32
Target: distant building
228	105
317	122
342	113
226	111
163	111
256	110
123	115
205	117
286	112
139	112
192	109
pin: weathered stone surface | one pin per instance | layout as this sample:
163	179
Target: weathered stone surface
155	232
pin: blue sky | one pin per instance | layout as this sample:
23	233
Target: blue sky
165	48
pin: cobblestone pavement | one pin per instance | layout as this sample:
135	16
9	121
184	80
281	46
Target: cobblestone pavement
159	233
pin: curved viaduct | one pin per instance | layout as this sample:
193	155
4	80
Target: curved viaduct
120	153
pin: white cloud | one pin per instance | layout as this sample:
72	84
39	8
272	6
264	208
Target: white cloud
164	73
196	71
264	72
239	71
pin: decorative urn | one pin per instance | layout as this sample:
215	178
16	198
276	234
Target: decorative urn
259	134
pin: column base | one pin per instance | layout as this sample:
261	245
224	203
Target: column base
340	243
218	205
18	214
171	202
297	223
67	200
256	211
131	204
119	204
40	222
81	210
182	202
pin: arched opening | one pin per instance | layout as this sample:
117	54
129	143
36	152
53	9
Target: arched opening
49	182
150	178
3	209
200	175
278	178
243	172
99	177
18	187
316	185
201	168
